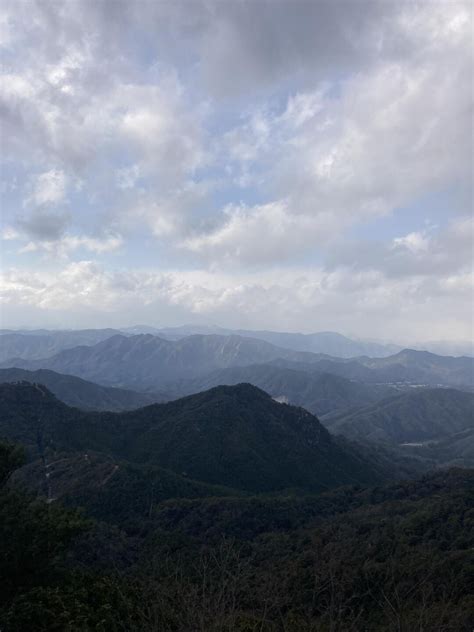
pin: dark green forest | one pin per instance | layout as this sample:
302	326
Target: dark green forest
100	531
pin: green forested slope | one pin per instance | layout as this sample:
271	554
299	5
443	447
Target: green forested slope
420	415
235	436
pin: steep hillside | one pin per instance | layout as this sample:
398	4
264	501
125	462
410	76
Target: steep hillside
373	557
77	392
110	489
454	450
235	436
415	416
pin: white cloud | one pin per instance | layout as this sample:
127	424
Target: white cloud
433	253
10	234
259	234
48	188
378	145
366	302
155	119
68	244
416	242
337	153
58	244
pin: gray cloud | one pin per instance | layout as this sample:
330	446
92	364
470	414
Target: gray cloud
433	253
44	225
249	46
240	136
364	302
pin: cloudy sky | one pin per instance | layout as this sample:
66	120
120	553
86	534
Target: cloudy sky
268	164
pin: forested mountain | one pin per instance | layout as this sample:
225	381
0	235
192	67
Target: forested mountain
425	367
204	516
407	367
377	557
147	362
235	436
111	489
320	393
413	416
77	392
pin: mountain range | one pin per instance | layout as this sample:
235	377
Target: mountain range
43	342
320	393
409	367
327	342
147	362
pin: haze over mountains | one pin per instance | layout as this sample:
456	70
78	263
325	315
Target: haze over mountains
45	342
79	393
145	362
41	343
330	343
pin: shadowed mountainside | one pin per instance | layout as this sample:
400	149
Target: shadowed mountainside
80	393
320	393
414	416
235	436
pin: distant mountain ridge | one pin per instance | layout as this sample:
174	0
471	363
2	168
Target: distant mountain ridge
80	393
32	345
407	366
147	362
43	342
326	342
414	416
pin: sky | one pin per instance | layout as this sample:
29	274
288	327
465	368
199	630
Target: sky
297	166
